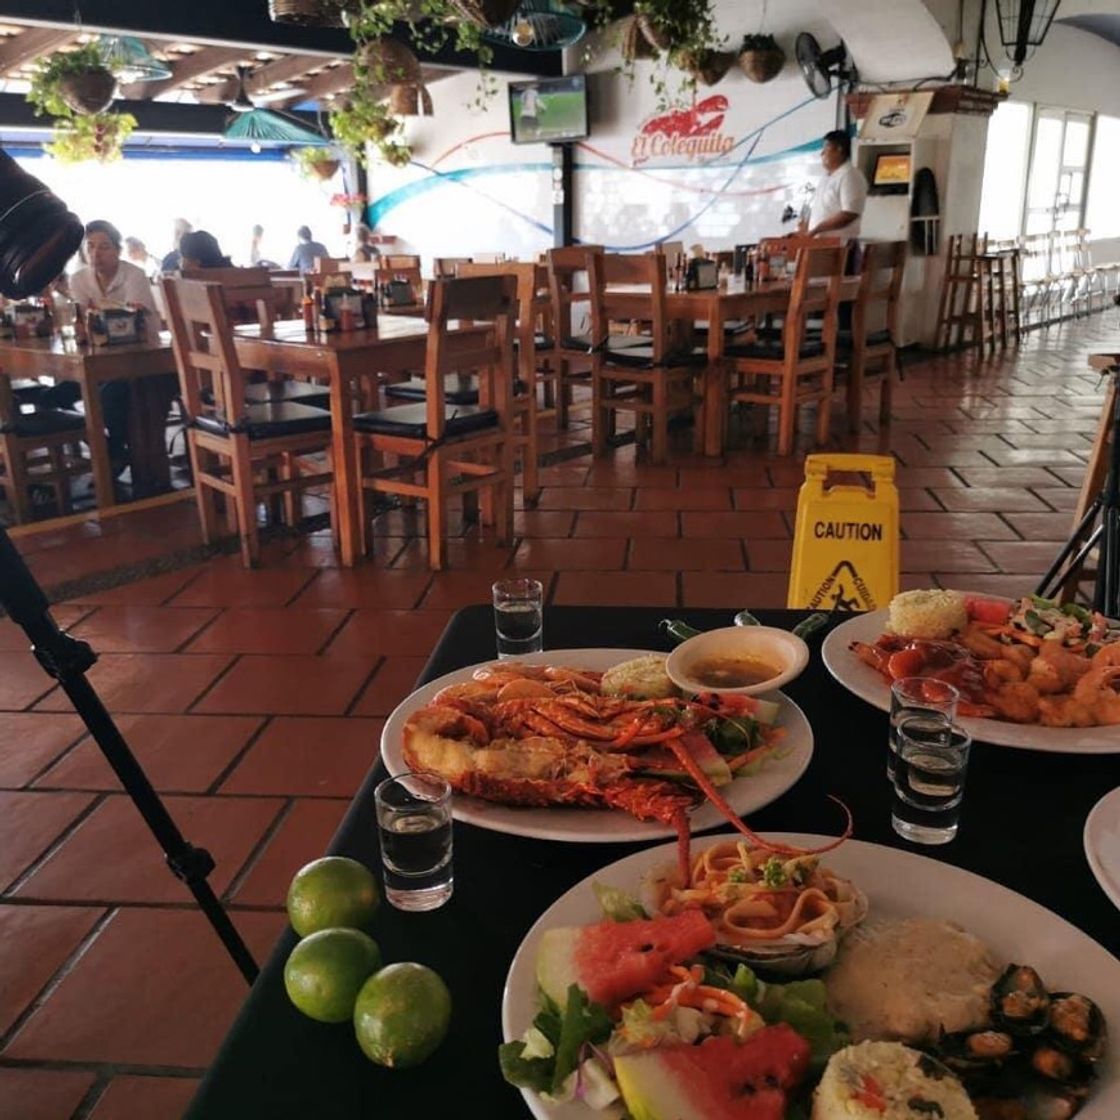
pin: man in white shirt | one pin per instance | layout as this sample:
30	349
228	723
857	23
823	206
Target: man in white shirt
840	195
108	282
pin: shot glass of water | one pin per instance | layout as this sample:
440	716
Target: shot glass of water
929	779
916	696
414	825
519	616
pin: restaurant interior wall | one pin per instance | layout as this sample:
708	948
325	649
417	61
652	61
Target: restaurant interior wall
224	191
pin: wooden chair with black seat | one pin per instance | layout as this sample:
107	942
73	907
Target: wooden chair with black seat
447	268
871	345
439	449
403	266
653	380
796	366
38	447
245	451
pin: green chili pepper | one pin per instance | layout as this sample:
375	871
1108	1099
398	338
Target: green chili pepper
810	625
676	630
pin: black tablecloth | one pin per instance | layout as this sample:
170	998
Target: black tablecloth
1022	823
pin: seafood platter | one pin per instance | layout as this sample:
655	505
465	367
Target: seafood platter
1032	673
594	745
797	977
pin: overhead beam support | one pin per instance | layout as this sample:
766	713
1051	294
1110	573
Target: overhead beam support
284	69
321	86
186	69
229	22
18	50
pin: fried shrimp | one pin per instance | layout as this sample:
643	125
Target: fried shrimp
1097	691
1016	701
1064	711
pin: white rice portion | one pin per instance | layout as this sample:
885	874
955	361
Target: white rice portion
927	614
909	1082
643	678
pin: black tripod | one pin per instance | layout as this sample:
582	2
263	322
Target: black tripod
1098	529
66	660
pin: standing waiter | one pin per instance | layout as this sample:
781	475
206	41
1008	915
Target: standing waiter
840	195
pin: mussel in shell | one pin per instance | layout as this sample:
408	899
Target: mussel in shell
1020	1001
967	1051
1036	1100
1077	1025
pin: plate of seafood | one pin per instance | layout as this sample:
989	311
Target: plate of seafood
1032	673
596	745
1102	844
802	975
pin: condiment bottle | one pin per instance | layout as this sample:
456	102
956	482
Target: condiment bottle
346	318
308	308
81	335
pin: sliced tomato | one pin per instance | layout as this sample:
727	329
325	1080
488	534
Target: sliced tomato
991	612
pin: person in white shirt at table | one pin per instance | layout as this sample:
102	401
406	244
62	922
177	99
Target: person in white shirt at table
108	282
841	194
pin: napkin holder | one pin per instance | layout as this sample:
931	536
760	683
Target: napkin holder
335	299
702	275
123	326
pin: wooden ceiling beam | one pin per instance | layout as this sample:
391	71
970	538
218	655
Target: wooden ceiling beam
187	68
18	50
321	86
264	77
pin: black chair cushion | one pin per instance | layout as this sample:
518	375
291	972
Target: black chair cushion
28	391
614	342
267	421
44	422
642	358
302	392
411	421
772	350
454	391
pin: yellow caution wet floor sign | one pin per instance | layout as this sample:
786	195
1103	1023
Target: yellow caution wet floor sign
845	547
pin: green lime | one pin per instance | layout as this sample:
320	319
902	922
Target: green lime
402	1015
326	971
332	892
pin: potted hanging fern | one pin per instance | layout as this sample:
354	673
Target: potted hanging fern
366	122
317	163
98	137
72	82
760	57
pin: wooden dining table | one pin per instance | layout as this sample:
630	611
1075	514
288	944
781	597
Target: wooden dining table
718	307
141	364
391	351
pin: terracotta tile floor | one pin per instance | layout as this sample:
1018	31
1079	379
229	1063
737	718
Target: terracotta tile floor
255	699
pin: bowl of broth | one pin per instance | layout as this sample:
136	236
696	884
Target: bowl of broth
738	659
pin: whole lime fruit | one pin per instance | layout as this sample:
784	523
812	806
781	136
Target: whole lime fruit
326	971
402	1015
331	892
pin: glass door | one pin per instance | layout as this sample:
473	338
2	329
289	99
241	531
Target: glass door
1059	161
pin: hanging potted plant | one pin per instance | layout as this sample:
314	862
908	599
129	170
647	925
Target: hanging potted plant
683	37
389	62
100	137
760	58
707	66
317	163
365	122
72	82
487	13
633	43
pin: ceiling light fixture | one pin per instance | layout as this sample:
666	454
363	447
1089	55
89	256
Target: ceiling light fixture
131	61
1023	25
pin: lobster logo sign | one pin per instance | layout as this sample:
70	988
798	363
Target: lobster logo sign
690	134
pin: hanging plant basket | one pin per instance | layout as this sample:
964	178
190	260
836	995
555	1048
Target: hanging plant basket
410	100
633	42
708	67
390	61
760	58
654	33
89	92
487	13
324	169
307	13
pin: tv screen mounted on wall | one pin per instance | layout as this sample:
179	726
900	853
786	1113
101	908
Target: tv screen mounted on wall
548	110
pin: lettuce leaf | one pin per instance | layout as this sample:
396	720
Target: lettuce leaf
583	1021
617	905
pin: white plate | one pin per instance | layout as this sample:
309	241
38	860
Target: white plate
1102	843
898	884
600	826
868	685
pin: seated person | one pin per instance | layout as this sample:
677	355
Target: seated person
200	249
364	249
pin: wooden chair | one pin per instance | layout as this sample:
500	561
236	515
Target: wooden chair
872	344
40	447
653	380
441	449
796	368
246	452
532	279
406	267
445	268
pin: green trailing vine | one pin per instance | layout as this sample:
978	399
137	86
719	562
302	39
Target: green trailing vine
78	136
307	159
365	121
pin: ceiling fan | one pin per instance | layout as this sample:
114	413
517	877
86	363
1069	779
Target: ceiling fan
243	103
249	122
820	67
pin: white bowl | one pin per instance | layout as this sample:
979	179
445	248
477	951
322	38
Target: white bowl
785	651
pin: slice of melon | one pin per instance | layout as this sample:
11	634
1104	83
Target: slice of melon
612	961
662	763
718	1080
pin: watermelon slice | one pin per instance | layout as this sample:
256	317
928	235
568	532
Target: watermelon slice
718	1080
612	961
663	763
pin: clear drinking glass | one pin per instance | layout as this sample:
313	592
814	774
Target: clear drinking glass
918	696
414	827
518	616
929	779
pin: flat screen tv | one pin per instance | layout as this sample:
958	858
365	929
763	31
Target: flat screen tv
892	172
548	110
